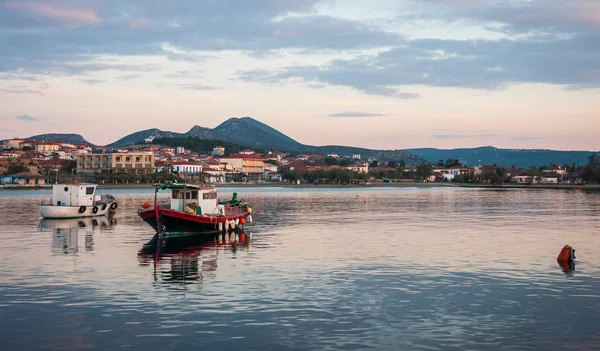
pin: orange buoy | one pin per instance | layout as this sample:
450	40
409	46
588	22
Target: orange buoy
242	221
566	254
145	205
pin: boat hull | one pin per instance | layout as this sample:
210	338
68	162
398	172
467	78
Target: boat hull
177	223
52	211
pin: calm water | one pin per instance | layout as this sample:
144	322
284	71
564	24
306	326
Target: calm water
397	269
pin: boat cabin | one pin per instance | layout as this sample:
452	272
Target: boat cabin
201	200
74	194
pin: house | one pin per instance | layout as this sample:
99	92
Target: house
295	166
551	178
187	168
359	168
24	179
247	152
180	150
274	177
218	151
556	170
45	147
356	156
522	179
249	164
12	144
131	162
573	178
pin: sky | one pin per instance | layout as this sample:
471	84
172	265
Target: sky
385	74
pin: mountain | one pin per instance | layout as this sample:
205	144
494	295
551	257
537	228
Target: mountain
522	158
138	137
251	133
65	138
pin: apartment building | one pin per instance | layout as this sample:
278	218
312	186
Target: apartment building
131	162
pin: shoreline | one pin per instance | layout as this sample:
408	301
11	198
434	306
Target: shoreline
338	186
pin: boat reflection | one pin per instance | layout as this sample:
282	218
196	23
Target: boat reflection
70	235
568	267
190	259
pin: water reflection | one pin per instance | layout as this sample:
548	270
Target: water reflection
70	235
568	267
190	259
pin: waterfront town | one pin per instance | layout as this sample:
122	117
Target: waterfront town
40	163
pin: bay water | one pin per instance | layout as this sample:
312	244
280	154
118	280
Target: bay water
320	269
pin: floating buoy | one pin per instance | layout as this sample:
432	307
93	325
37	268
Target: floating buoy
249	219
145	205
226	226
567	254
220	227
237	221
242	221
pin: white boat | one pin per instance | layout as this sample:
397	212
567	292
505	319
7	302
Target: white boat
77	200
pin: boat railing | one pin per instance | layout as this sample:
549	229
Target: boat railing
46	202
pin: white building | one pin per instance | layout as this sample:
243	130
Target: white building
186	167
218	151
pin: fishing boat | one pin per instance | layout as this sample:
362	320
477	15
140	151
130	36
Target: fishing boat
77	200
194	209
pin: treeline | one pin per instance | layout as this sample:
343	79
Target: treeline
202	146
101	178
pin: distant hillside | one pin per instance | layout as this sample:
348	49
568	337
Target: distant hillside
65	138
523	158
256	135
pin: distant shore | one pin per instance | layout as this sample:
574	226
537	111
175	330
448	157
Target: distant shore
338	186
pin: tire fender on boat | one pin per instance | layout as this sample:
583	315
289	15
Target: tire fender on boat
82	209
113	206
104	207
95	209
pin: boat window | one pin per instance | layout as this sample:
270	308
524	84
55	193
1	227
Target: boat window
89	190
194	195
211	195
175	194
67	188
187	195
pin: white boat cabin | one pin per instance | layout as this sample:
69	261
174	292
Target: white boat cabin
200	200
76	194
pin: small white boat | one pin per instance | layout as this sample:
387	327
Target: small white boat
77	200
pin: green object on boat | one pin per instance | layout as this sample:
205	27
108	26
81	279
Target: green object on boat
199	210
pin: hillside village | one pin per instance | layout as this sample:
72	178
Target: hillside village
28	162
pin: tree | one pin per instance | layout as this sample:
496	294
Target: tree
330	161
345	163
452	163
402	163
393	164
374	164
440	163
492	177
424	170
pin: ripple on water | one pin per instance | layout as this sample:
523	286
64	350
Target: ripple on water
422	269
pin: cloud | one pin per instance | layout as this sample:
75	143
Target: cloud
482	64
526	138
199	87
21	91
24	118
351	114
93	81
139	23
27	118
462	136
72	17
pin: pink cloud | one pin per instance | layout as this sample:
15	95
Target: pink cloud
73	17
139	23
280	33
